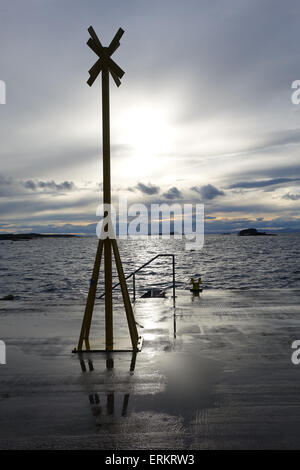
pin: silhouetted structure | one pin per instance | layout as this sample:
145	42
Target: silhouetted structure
107	66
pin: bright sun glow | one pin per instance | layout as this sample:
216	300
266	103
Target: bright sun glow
148	134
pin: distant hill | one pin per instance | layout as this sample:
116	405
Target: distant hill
30	236
253	232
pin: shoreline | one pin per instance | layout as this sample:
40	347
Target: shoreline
31	236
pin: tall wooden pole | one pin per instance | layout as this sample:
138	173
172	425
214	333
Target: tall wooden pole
109	246
107	200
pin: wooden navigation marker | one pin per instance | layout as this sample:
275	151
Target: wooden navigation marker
106	246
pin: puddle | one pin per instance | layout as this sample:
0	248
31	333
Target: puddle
189	385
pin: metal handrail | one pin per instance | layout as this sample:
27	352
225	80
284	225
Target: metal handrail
142	267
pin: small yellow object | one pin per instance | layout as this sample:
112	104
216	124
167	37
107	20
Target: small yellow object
196	284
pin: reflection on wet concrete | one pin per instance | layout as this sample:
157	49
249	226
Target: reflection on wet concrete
189	382
174	324
87	365
215	372
185	383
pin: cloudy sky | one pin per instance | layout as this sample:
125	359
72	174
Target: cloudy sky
204	112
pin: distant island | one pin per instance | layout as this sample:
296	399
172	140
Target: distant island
253	232
30	236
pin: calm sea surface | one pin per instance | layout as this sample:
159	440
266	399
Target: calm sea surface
50	269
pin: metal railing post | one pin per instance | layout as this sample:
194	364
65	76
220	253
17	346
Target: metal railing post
140	268
173	271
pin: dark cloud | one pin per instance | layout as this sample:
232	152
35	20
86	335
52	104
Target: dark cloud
208	191
292	197
11	187
259	208
4	181
173	193
148	189
29	206
289	170
29	184
262	183
49	185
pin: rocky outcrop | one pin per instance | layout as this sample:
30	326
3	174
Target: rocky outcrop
253	232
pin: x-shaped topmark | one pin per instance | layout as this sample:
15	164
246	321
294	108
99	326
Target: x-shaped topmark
104	54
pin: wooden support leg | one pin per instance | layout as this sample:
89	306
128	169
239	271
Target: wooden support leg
87	318
108	295
128	308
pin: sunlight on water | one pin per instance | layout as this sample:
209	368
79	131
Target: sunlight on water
50	269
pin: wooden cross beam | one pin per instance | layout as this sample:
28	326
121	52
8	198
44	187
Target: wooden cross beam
104	54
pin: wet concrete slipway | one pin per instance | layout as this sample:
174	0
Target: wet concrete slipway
214	373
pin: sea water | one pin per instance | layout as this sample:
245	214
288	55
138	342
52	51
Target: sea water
60	268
